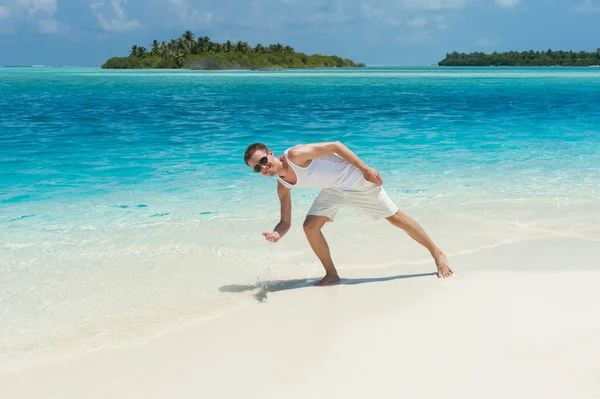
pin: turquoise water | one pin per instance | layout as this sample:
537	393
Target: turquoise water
77	135
125	203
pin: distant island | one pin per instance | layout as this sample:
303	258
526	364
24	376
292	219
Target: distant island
524	58
201	53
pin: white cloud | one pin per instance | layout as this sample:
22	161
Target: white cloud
434	4
507	3
417	36
391	21
370	12
420	36
587	7
418	22
334	13
38	13
51	26
256	8
48	6
424	27
378	13
4	12
193	18
484	42
441	22
34	6
119	21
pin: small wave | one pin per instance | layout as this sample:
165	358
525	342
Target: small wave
135	206
16	198
20	218
156	215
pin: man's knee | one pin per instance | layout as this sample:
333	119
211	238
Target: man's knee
399	219
312	224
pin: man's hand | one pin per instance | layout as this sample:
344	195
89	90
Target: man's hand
372	175
272	237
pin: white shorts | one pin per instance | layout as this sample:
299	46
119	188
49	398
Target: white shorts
364	196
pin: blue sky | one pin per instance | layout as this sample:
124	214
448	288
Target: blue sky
400	32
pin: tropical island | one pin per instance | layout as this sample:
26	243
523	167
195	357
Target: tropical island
188	52
524	58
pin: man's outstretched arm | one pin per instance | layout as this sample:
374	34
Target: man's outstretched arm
285	222
301	154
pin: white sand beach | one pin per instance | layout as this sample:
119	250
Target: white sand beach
518	320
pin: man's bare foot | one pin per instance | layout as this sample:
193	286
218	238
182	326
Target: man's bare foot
332	279
443	267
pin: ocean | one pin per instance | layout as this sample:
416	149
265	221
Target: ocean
126	209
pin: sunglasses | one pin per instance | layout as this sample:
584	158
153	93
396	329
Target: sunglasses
262	162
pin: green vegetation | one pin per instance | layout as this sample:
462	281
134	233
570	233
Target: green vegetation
201	53
524	58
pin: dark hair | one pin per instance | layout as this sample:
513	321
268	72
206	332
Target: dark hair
252	148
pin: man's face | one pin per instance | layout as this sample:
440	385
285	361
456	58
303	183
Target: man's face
262	162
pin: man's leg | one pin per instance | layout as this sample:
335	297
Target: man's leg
417	233
312	229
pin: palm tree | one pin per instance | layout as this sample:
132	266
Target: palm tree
181	45
163	50
170	48
134	50
154	50
141	52
188	38
275	48
206	44
242	47
228	46
179	57
200	45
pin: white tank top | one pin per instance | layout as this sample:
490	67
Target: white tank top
330	171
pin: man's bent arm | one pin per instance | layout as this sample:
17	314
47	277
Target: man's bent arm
285	198
304	153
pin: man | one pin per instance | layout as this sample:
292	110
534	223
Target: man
344	180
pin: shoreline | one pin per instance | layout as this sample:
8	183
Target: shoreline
125	332
377	325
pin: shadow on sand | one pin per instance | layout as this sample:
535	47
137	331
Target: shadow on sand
281	285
